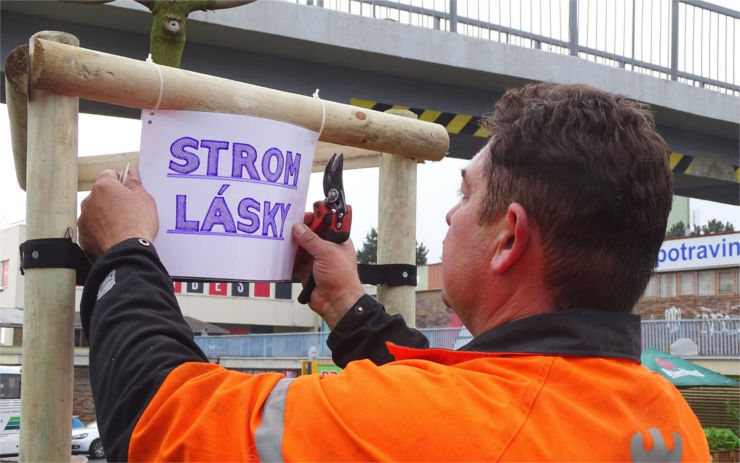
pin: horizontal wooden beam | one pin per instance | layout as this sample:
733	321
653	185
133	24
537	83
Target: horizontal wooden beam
361	134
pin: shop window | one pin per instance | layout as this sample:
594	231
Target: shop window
651	290
725	281
668	285
705	283
686	283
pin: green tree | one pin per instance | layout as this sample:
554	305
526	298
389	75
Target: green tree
715	226
368	254
678	229
712	227
421	254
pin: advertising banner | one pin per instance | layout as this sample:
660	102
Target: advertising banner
699	252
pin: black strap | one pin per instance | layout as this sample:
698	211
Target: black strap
387	274
55	253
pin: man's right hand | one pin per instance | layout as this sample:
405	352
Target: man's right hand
114	212
334	268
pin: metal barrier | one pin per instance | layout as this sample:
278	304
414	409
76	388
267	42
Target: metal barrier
714	337
265	345
690	41
718	337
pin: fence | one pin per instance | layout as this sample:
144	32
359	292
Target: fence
714	337
718	337
690	41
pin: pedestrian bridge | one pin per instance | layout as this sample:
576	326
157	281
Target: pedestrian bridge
449	60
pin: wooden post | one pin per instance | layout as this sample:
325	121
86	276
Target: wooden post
397	226
17	115
48	320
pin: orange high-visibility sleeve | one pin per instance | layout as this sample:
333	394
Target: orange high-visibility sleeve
202	412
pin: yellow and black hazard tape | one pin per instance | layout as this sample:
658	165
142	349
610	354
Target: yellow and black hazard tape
681	164
456	124
465	124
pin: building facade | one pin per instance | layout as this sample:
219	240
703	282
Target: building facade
700	275
696	277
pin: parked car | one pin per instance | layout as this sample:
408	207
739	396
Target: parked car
76	423
87	440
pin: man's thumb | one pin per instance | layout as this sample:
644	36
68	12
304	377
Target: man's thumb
306	238
133	179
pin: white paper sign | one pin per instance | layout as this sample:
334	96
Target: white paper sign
228	190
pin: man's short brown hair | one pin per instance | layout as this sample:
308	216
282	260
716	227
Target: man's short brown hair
591	170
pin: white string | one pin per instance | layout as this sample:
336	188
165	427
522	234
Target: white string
323	111
161	81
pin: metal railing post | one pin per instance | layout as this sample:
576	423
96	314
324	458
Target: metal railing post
573	27
453	15
674	40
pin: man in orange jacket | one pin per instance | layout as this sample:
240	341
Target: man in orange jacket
553	241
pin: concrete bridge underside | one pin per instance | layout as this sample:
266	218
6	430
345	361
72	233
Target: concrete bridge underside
299	48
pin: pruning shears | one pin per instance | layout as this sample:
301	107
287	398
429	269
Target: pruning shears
332	217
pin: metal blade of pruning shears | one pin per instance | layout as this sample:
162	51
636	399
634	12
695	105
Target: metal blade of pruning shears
333	185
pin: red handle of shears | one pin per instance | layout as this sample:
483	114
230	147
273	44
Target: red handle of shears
330	227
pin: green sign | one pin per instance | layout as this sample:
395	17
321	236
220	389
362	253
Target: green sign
325	370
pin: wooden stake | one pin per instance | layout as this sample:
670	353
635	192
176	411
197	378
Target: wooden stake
48	320
397	226
18	116
74	71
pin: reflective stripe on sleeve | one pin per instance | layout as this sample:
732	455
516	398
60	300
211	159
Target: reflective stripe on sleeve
269	434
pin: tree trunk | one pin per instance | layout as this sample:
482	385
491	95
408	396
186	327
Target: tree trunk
167	38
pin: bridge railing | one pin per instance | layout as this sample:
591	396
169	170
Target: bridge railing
690	41
714	338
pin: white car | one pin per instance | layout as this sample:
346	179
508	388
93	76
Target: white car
87	440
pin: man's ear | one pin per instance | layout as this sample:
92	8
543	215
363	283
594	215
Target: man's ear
513	238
